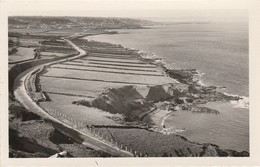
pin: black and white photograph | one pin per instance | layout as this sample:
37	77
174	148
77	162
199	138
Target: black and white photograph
135	80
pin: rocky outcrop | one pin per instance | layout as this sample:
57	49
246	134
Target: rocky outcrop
204	110
126	100
166	92
200	93
130	102
211	150
133	103
186	76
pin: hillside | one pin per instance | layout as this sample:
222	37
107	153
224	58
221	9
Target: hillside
67	22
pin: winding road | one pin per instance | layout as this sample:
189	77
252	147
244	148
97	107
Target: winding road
89	140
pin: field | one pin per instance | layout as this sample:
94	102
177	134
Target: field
105	77
32	42
28	30
23	53
58	49
99	68
76	87
152	143
47	55
23	47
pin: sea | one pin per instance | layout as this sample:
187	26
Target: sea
219	51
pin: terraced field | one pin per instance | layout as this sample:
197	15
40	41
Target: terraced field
87	77
50	55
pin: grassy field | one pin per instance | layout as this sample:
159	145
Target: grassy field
58	49
152	143
107	70
106	77
23	53
27	41
87	88
30	30
51	54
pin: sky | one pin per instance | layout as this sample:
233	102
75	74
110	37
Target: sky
178	10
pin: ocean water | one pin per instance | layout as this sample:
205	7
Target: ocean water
220	52
229	129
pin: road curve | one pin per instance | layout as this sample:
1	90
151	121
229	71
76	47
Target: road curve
25	100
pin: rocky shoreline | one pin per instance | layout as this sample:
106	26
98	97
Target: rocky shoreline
187	94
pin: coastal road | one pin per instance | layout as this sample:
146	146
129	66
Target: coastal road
89	140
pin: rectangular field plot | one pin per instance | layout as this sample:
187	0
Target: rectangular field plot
22	53
106	77
27	41
76	88
28	30
82	64
111	55
141	65
121	62
52	54
106	48
107	70
59	49
30	42
111	59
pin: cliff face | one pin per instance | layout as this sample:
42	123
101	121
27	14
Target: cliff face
126	100
134	102
131	101
166	92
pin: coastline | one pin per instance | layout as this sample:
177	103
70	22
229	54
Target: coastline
183	140
189	47
236	101
242	102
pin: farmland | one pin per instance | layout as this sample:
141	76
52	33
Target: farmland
22	54
26	47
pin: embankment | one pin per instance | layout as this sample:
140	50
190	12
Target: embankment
33	136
